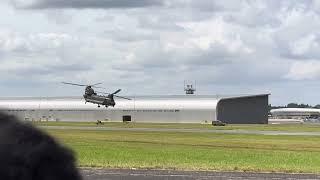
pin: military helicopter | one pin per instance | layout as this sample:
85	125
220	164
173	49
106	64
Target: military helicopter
91	96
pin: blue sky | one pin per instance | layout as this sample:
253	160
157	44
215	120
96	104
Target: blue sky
152	46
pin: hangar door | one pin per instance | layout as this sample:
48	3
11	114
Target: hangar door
243	110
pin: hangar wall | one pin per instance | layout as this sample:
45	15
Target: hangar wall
143	116
164	116
152	109
59	115
244	110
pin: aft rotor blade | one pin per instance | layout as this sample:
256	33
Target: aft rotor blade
117	91
73	84
122	97
102	92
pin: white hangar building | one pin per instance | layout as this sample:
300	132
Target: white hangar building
245	109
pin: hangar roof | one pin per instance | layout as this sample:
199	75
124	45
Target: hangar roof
139	102
295	110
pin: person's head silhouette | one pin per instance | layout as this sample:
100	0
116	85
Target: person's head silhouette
27	153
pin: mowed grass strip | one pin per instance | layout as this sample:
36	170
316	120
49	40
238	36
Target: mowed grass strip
263	127
193	151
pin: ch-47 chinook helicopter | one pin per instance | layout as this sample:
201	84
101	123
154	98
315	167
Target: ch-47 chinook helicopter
91	96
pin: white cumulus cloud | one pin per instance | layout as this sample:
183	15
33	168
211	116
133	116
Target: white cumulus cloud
304	70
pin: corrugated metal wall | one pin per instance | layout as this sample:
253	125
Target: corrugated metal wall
150	116
164	116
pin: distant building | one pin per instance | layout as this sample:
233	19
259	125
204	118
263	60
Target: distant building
249	109
295	113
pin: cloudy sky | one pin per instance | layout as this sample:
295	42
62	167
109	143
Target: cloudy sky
152	46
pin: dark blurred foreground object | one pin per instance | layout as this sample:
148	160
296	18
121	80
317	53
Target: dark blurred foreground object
27	153
218	123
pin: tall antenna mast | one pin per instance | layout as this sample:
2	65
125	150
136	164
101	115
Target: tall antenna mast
188	88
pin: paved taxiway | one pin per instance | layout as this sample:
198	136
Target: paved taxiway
188	130
117	174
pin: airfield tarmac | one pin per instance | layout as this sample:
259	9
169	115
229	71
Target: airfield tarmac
236	131
129	174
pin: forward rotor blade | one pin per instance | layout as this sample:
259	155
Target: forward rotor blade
73	84
117	91
122	97
96	84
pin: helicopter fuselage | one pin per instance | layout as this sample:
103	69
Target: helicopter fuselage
100	100
92	97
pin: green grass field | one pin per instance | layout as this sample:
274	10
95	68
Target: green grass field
263	127
192	151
